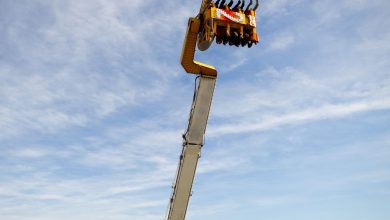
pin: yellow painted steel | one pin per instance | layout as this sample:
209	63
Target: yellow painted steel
218	17
204	28
188	52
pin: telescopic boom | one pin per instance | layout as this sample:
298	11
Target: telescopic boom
228	23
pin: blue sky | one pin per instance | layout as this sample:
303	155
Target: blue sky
93	102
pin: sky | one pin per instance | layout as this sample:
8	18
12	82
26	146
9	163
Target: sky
93	103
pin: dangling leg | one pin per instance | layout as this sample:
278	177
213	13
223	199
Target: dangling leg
247	7
256	5
242	5
230	3
235	8
222	4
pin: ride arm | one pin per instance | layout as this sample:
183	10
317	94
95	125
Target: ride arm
188	52
192	144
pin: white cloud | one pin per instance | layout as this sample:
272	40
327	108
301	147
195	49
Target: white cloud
277	7
277	200
321	112
31	153
95	87
281	41
65	85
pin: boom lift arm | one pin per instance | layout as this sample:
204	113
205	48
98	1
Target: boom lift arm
235	26
192	144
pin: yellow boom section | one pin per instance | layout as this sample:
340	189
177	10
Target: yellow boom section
188	52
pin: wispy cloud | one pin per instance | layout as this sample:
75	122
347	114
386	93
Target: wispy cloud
85	64
93	103
322	112
282	41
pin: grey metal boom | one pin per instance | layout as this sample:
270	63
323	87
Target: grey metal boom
192	144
